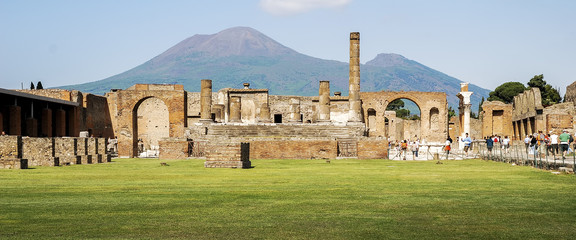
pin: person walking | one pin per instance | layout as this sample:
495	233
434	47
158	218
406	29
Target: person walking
447	146
489	144
564	142
467	141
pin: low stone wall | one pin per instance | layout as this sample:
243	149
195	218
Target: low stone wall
293	149
372	148
228	155
39	151
173	149
20	152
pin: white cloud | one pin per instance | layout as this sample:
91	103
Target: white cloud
289	7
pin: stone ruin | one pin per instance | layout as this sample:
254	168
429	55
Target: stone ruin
229	126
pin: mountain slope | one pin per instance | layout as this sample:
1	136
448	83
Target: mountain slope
241	54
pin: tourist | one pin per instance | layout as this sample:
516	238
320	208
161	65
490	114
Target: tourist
404	149
414	149
467	141
489	144
506	143
554	143
564	142
417	143
3	133
533	144
447	146
527	142
548	144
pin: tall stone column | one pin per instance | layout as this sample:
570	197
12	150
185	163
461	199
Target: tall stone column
464	109
324	102
235	109
15	120
294	110
264	113
46	122
60	123
354	114
206	101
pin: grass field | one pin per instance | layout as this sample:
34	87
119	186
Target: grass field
288	199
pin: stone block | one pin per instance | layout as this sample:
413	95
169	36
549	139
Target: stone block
173	149
228	155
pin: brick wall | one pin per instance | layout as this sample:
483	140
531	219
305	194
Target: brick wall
173	149
372	148
293	149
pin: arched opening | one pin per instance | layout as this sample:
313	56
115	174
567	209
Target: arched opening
434	121
404	119
151	124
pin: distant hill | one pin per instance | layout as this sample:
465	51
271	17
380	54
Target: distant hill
241	54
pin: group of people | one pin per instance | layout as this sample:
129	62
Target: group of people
406	145
466	141
504	143
554	144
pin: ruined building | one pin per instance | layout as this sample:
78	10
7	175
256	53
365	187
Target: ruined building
168	121
526	115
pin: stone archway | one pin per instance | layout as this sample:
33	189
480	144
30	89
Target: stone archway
433	112
150	124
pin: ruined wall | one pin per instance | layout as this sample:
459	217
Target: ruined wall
65	149
570	95
38	151
293	149
97	116
559	117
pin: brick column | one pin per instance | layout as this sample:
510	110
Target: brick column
73	129
206	101
235	109
59	123
354	114
31	127
15	120
324	102
46	122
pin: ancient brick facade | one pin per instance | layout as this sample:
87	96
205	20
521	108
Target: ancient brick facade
497	119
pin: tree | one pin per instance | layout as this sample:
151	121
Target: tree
39	85
403	113
549	94
451	112
32	86
506	92
395	105
480	110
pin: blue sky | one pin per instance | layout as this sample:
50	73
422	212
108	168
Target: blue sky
485	42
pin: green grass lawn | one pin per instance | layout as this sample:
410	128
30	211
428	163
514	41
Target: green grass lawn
288	199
